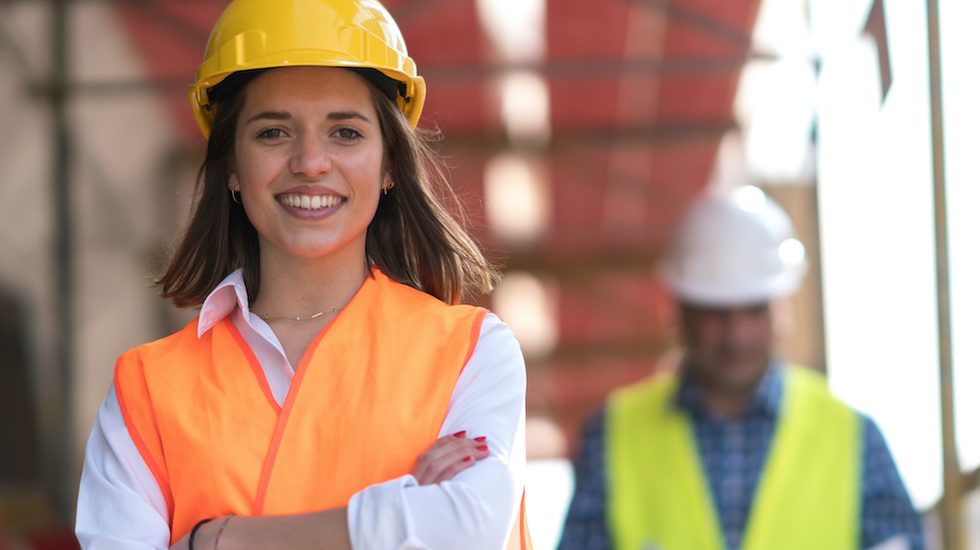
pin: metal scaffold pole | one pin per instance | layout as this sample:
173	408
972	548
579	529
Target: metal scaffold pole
63	475
952	501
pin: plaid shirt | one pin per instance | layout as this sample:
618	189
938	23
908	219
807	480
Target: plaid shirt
733	453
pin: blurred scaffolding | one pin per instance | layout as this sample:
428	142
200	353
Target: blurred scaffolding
577	132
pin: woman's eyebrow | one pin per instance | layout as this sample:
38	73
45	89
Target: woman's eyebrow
345	115
270	115
283	115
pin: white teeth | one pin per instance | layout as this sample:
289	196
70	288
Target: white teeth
306	202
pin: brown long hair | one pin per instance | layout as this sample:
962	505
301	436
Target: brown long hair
412	238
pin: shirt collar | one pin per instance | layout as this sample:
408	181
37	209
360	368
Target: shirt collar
222	301
766	399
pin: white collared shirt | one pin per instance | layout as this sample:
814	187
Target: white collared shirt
120	505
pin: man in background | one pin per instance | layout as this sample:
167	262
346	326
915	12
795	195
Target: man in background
737	450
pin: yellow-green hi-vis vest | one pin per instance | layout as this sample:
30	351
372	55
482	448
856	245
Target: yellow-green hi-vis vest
808	497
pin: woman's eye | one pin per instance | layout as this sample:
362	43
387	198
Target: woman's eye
271	133
348	134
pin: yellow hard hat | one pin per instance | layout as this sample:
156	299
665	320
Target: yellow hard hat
263	34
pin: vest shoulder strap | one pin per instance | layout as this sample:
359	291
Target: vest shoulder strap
135	399
657	494
809	492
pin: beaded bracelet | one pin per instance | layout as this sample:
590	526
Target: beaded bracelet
190	540
222	530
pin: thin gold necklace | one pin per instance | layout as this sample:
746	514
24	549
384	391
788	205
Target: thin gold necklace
268	318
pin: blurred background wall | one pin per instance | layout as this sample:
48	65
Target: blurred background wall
577	133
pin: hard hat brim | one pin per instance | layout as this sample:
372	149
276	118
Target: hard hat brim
738	293
410	103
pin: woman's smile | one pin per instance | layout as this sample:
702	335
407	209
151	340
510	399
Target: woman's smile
310	202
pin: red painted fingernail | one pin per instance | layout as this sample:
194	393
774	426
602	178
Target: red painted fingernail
480	439
459	434
481	448
468	459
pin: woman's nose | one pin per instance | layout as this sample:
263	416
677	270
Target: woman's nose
311	157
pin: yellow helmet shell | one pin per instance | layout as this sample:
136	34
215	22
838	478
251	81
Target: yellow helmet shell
264	34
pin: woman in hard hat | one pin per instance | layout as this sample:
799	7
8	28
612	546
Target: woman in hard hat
329	394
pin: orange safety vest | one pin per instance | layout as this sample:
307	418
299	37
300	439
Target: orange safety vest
368	398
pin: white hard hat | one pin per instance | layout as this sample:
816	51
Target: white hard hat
735	249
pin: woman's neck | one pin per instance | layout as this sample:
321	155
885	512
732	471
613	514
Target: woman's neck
300	287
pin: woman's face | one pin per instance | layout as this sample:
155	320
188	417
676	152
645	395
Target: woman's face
308	161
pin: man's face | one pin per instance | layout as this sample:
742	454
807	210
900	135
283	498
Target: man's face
728	347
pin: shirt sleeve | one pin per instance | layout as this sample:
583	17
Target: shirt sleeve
120	506
476	509
887	513
585	524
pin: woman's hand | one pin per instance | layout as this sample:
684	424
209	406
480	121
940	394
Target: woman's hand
449	456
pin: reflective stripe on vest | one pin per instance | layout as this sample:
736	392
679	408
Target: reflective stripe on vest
808	496
368	397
